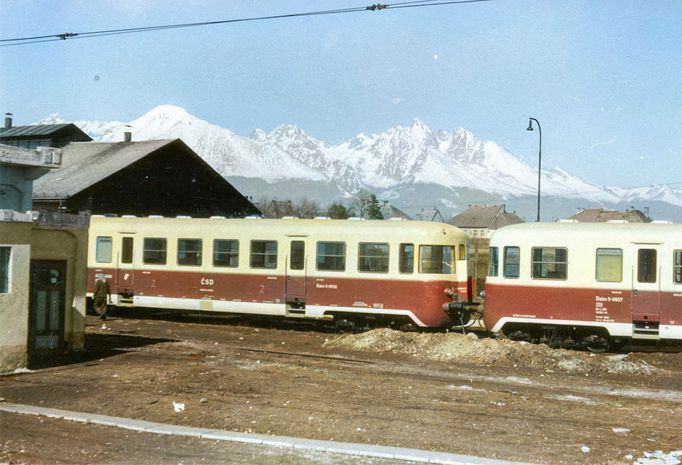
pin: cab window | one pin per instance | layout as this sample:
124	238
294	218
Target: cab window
512	261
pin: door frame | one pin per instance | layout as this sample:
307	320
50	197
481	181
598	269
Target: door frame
646	296
296	281
35	353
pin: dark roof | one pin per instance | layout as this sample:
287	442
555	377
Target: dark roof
36	130
87	163
484	216
599	215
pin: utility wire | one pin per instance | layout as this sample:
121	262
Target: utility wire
132	30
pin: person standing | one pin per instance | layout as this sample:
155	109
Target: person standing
102	296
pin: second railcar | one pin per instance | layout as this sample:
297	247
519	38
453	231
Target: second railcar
345	269
590	284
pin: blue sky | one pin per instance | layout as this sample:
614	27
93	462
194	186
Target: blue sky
604	78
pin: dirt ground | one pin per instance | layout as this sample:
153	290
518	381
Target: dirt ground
443	392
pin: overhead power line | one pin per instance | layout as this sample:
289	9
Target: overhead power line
108	32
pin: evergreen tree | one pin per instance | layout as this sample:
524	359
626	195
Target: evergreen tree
337	211
373	208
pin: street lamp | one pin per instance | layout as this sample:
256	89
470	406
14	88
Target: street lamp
530	128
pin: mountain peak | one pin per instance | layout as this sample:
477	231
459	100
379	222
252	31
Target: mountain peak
167	111
54	118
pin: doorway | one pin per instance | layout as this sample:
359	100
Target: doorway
46	308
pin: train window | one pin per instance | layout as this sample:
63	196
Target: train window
550	263
154	251
437	259
264	254
373	257
462	252
646	265
406	258
5	253
512	261
297	255
677	267
331	256
494	263
103	249
609	268
189	252
226	253
127	250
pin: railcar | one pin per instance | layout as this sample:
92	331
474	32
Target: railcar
399	271
596	285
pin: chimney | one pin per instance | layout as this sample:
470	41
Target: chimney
127	136
8	120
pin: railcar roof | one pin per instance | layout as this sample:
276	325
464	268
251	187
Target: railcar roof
289	227
630	232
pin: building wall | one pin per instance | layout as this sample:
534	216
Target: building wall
29	241
15	189
71	246
14	305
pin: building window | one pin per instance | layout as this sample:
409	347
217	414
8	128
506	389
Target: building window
609	267
154	252
331	256
550	263
373	257
4	269
189	252
512	262
103	249
646	265
264	254
226	253
406	262
439	259
494	264
127	250
677	267
297	255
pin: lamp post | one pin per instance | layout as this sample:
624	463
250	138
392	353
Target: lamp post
530	128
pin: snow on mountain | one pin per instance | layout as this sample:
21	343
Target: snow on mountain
401	156
227	152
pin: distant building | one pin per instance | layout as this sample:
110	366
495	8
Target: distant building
40	135
42	266
390	211
276	208
600	215
162	177
480	220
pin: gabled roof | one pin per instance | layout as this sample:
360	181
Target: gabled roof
36	130
600	215
484	216
87	163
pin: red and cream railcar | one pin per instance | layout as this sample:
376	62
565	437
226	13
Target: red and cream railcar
345	269
589	283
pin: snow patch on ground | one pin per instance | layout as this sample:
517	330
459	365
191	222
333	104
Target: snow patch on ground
660	458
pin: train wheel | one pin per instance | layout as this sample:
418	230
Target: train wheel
596	344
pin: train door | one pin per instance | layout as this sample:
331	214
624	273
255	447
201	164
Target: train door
296	283
125	273
46	309
646	291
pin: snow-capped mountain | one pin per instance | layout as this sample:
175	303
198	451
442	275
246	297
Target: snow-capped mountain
394	162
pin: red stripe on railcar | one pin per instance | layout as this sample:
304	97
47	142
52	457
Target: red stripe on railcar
369	296
574	304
